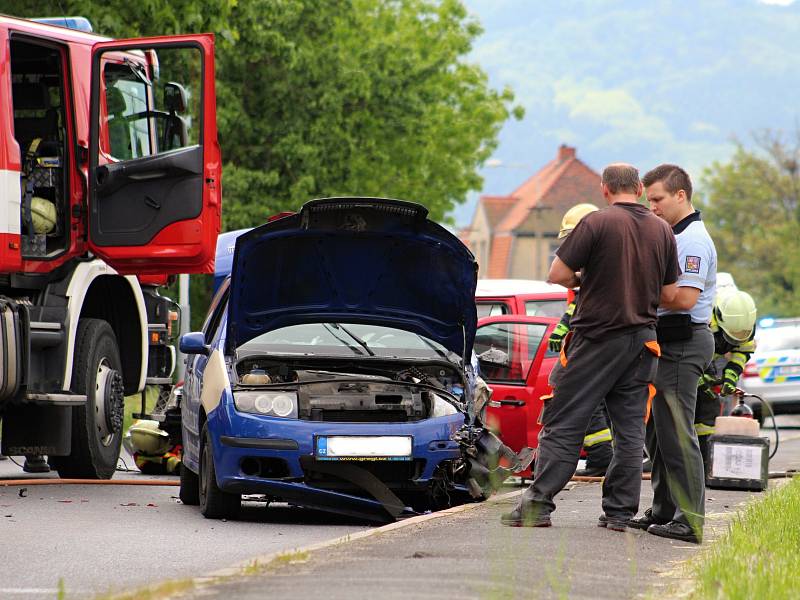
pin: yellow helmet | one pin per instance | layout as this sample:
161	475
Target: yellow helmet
573	216
148	438
735	312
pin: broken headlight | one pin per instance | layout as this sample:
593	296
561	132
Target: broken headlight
273	404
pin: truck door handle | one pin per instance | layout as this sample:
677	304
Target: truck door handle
512	402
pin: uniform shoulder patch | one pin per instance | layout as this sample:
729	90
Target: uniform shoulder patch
692	264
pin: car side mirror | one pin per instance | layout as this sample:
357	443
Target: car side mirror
194	343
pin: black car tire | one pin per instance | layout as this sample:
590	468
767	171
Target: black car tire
190	486
96	372
214	503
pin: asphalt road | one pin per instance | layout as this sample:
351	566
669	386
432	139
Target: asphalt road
96	539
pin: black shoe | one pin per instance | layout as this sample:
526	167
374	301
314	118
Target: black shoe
645	521
35	463
527	517
613	524
591	472
676	531
647	466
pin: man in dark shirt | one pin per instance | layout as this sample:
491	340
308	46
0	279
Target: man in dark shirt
624	260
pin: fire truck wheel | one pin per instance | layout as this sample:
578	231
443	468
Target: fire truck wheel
96	426
190	487
214	503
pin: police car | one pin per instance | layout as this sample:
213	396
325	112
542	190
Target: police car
773	372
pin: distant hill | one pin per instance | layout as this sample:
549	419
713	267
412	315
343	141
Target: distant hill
641	82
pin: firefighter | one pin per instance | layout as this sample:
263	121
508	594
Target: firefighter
597	441
152	450
733	323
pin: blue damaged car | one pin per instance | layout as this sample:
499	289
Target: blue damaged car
330	372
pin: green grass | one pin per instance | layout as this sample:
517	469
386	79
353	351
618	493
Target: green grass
758	557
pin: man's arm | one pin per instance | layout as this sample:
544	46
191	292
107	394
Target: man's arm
668	293
562	274
685	298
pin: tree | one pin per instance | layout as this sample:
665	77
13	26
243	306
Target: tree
353	97
330	97
752	209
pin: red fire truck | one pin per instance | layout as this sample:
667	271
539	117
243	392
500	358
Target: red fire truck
109	184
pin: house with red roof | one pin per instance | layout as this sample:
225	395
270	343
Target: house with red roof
515	236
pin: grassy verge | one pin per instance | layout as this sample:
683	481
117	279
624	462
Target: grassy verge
758	557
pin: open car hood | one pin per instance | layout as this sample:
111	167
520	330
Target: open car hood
354	260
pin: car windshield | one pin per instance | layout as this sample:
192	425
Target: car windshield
346	339
781	338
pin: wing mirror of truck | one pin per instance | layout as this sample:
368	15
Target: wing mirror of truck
174	98
194	343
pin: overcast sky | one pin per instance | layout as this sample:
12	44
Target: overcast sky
642	82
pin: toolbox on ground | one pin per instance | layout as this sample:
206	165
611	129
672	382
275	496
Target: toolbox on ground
738	462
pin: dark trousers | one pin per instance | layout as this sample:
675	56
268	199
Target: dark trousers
617	369
678	476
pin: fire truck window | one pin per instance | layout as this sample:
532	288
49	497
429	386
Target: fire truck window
506	350
126	105
153	101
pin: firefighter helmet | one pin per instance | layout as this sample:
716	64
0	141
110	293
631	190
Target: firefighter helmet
573	216
147	438
43	215
735	312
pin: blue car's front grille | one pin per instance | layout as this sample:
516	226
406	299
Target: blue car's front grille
360	416
395	474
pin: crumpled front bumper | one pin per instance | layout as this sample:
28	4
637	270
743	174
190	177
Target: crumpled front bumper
237	437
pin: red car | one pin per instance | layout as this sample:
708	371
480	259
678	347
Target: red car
516	362
520	297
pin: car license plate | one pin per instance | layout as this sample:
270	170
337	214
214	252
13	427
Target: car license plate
790	370
364	447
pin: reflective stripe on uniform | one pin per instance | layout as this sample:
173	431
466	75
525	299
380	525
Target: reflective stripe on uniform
703	429
604	435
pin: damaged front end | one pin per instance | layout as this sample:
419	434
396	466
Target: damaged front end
388	438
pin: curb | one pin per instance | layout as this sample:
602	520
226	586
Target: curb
235	570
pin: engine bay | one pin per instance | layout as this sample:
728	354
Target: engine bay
348	391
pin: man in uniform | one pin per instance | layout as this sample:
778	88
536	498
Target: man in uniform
733	324
597	441
687	345
627	262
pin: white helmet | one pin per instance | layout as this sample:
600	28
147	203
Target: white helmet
736	315
147	438
573	216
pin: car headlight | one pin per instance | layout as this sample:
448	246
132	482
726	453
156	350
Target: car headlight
274	404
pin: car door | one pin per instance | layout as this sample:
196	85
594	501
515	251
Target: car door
154	159
512	356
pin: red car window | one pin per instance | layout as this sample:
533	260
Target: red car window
506	350
492	309
544	308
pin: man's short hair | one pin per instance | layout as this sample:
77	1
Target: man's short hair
621	179
672	176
